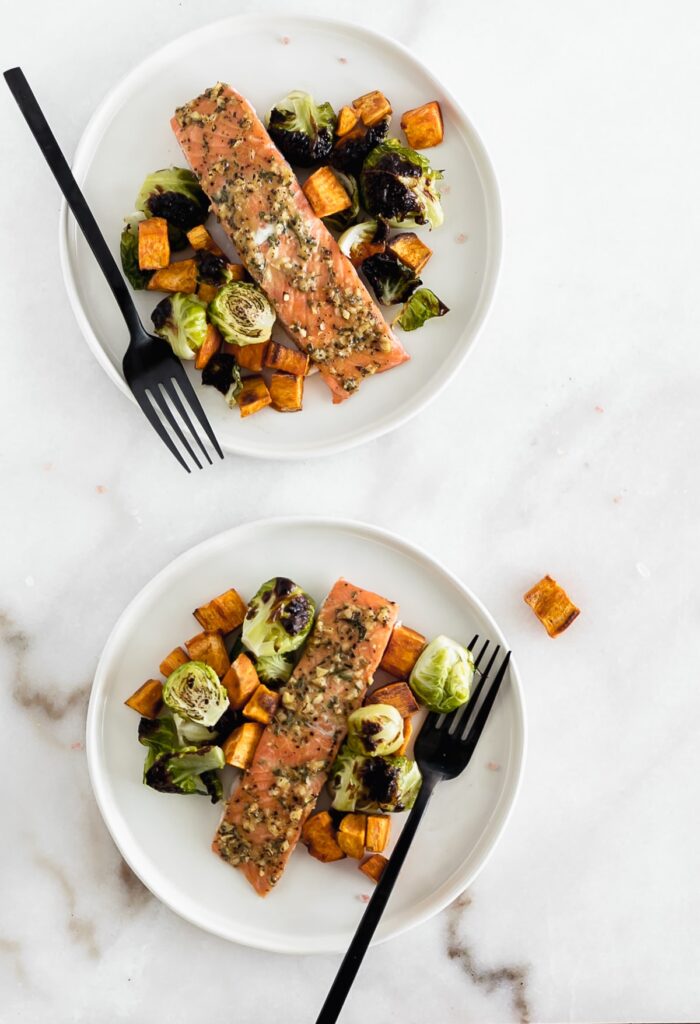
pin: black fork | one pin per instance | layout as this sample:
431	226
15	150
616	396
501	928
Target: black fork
443	750
157	379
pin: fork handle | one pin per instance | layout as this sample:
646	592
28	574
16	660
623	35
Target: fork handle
26	101
375	908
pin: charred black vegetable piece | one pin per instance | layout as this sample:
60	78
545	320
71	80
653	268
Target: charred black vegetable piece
222	373
174	193
350	151
391	280
400	185
212	269
302	130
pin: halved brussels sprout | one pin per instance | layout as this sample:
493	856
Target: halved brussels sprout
194	691
175	194
189	770
277	622
373	783
302	130
242	313
182	321
345	779
391	280
441	678
375	729
400	185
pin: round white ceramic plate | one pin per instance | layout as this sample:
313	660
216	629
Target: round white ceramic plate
264	57
166	838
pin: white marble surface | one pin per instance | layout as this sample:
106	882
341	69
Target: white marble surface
568	445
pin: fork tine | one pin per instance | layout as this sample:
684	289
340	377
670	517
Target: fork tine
482	652
475	731
151	415
161	401
171	390
474	699
188	392
473	644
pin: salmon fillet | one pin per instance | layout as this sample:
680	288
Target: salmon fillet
264	818
315	290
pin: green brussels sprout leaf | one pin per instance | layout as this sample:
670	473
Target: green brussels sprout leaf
188	770
441	678
422	306
129	253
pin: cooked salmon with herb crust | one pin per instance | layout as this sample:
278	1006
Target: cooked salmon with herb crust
316	292
265	815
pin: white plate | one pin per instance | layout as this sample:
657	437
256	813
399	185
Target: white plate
166	839
129	136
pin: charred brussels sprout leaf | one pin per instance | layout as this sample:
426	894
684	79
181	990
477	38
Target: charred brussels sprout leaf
391	280
302	130
441	678
242	313
375	729
222	373
188	770
129	253
277	622
212	269
160	736
350	151
174	193
340	221
385	784
194	691
182	321
400	185
422	306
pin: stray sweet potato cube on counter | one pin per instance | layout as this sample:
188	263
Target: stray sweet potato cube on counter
399	695
240	746
288	360
402	651
210	648
176	277
552	605
423	126
287	392
199	238
319	836
325	193
407	733
262	705
147	699
212	344
378	828
374	866
241	681
154	247
410	250
225	612
172	661
372	107
347	119
351	835
253	396
248	357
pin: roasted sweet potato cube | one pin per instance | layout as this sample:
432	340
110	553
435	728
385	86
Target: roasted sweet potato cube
206	292
351	835
240	746
225	612
397	694
402	651
288	360
212	344
262	705
409	248
241	681
210	648
319	836
552	605
347	119
325	193
147	699
374	866
407	733
287	392
154	247
176	277
172	661
423	126
253	396
378	828
249	357
362	251
372	107
199	238
237	271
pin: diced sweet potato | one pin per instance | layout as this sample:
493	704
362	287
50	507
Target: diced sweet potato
423	126
210	648
374	866
407	733
206	292
402	651
262	705
225	612
240	746
199	238
347	119
176	277
378	828
411	250
351	835
325	193
372	107
212	344
287	392
241	681
552	605
399	695
172	661
253	396
288	360
249	357
362	251
237	271
319	836
147	699
154	247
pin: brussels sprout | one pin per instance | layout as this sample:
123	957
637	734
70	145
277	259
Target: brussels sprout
301	130
391	280
274	668
350	152
129	252
188	770
194	691
373	783
400	185
363	240
339	221
222	373
174	193
422	306
160	735
375	729
345	779
182	321
277	622
442	676
242	313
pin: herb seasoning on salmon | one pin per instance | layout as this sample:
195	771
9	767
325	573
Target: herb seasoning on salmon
267	810
289	252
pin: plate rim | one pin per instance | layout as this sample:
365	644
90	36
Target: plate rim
98	124
455	883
